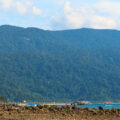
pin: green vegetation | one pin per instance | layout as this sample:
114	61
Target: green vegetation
68	65
2	98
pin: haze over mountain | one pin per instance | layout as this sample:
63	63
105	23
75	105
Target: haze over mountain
67	65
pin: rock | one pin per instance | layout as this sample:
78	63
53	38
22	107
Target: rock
101	108
87	109
113	110
68	107
40	106
74	107
94	112
46	106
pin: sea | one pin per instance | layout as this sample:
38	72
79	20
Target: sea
105	106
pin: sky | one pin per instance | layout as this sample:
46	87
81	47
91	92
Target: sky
61	14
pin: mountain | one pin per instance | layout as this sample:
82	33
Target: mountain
42	65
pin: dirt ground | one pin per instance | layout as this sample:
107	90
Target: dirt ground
44	112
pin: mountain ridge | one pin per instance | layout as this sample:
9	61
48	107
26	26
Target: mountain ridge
43	65
38	28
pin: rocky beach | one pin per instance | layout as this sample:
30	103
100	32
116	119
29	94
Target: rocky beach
45	112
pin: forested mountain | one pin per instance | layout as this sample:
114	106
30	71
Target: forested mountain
40	65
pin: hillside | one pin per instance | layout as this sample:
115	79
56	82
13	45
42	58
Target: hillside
68	65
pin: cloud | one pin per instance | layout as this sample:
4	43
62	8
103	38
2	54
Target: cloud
73	16
6	4
36	11
63	14
22	7
102	15
100	22
109	7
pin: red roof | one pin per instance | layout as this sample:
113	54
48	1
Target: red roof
1	102
108	102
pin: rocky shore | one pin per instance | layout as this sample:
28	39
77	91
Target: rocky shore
45	112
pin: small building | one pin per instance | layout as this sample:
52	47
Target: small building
80	103
108	102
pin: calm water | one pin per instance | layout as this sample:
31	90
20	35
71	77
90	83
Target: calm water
105	106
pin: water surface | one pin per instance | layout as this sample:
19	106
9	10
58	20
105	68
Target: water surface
105	106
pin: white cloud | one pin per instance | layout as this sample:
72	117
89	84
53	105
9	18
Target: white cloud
67	7
109	7
100	22
36	11
22	7
6	4
102	15
75	17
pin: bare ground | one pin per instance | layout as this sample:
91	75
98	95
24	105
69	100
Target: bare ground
43	112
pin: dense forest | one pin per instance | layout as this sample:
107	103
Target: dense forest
41	65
